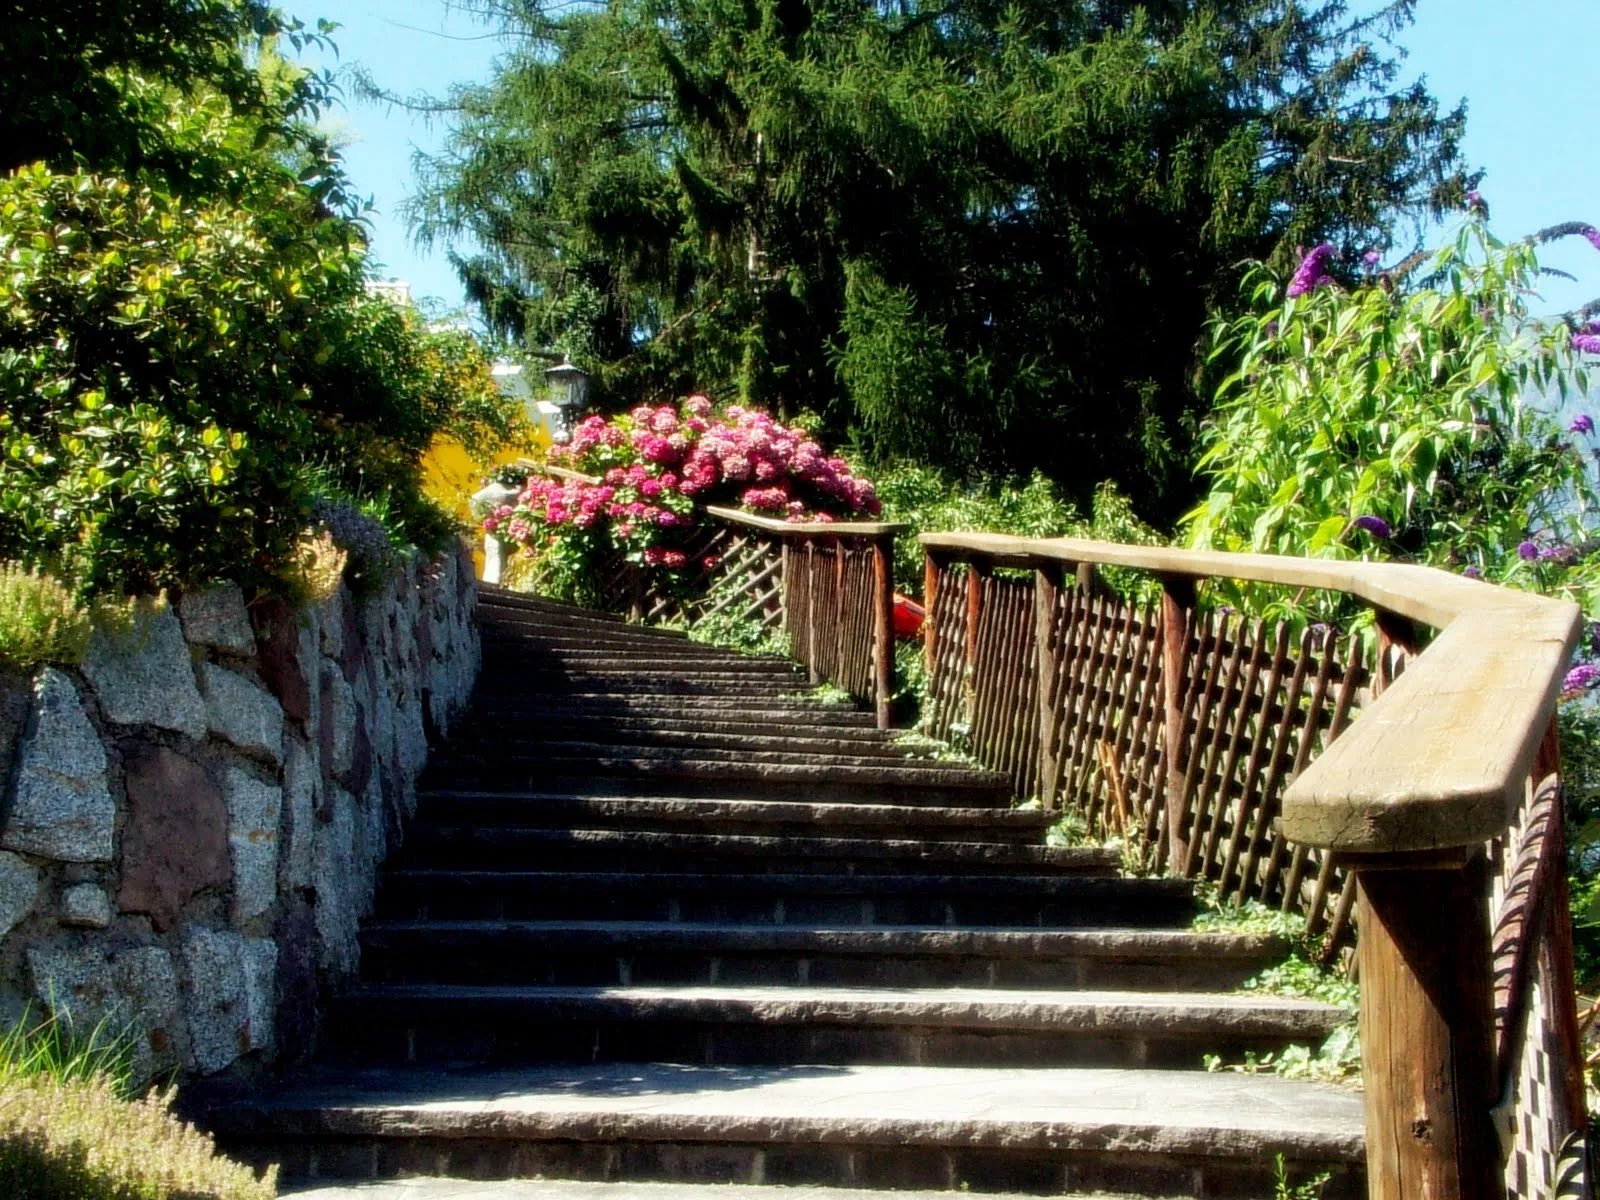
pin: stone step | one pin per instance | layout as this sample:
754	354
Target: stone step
435	844
732	685
494	596
904	782
617	954
519	655
770	898
686	734
502	707
747	750
452	1023
581	739
447	1188
760	816
1027	1131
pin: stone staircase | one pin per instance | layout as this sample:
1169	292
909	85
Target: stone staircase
664	917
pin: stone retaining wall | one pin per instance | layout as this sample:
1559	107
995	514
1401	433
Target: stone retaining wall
192	821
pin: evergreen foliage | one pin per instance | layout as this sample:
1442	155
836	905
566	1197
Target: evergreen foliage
980	235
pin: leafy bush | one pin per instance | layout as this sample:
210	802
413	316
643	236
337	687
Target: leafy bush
170	367
1390	418
929	501
40	620
654	465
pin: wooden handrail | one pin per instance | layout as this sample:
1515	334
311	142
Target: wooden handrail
860	529
1439	760
1405	798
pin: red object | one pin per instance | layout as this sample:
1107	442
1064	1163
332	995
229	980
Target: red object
908	615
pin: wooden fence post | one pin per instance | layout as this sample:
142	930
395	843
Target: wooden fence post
976	574
930	628
1046	600
883	627
1177	609
1427	1029
813	665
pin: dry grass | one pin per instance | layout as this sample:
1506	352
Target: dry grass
75	1140
318	566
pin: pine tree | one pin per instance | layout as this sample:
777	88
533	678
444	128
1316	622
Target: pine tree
980	235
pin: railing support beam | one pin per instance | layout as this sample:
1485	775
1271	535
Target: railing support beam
1427	1033
883	629
1046	600
1177	610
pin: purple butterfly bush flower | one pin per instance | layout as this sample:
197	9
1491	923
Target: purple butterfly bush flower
1312	272
1371	258
1587	339
1581	678
1591	235
1564	554
1527	551
1376	526
1582	423
1472	571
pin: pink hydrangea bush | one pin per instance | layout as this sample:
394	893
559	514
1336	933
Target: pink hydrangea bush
656	464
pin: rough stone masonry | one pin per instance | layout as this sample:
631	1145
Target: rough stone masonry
191	822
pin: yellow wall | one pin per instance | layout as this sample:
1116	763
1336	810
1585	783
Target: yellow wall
450	476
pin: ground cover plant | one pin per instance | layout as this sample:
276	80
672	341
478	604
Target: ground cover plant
73	1126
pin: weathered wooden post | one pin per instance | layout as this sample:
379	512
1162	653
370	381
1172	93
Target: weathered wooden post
1427	1027
930	605
883	626
1046	601
1177	610
813	665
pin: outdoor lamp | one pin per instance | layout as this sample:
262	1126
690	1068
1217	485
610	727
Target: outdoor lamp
569	388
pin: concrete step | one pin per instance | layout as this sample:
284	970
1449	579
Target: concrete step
742	816
930	784
452	1023
770	898
435	844
1028	1131
586	646
624	953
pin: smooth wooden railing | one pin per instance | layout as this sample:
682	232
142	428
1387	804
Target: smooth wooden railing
1400	791
828	585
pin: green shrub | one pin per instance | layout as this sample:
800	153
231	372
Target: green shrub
76	1139
40	620
171	369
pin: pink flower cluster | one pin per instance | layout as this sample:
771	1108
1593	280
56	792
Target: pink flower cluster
657	462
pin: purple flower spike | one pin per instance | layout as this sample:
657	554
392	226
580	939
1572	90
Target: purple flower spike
1472	571
1586	343
1564	554
1376	526
1474	197
1582	423
1312	272
1527	551
1592	236
1371	258
1581	678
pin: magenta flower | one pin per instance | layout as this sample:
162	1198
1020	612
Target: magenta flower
1581	678
1586	343
1527	551
1582	423
1471	571
1371	258
1312	272
1376	526
1591	235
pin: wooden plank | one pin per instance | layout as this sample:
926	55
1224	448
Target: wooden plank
1177	614
883	628
1046	604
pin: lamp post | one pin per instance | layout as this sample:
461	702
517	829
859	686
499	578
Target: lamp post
569	389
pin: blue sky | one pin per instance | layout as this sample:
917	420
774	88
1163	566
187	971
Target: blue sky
1521	67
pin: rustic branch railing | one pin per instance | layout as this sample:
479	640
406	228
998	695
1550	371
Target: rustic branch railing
1371	787
828	586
